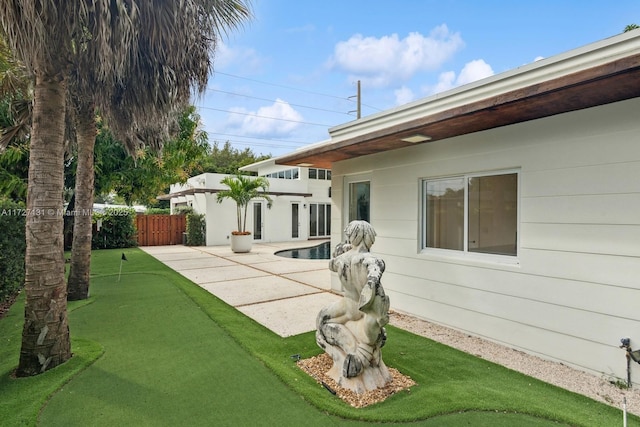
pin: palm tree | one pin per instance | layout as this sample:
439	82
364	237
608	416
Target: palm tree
79	268
167	61
243	189
40	33
48	36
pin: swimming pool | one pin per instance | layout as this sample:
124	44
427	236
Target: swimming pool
321	251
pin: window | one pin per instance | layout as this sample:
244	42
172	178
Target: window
472	213
319	219
322	174
359	199
285	174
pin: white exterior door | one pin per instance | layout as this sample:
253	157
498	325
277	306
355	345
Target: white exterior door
258	220
295	220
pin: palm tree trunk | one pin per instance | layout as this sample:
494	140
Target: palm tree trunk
45	337
78	284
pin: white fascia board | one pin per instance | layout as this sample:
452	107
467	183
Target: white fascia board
255	167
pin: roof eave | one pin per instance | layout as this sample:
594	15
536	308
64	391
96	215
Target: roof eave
577	79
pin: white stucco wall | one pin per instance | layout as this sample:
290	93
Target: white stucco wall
277	221
574	289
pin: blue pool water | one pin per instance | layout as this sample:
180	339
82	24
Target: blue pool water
321	251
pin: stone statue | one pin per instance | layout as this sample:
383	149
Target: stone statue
351	330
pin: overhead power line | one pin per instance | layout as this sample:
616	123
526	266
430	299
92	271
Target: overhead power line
261	139
258	144
265	117
277	101
348	99
283	86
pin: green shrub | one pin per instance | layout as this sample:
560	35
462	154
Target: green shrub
196	229
158	211
12	247
182	210
114	228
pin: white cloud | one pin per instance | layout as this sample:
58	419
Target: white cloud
446	81
471	72
388	59
404	95
278	119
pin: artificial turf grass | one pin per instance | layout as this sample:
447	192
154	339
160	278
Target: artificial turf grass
448	380
167	363
102	379
21	399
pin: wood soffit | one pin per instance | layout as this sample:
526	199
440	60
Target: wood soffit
603	84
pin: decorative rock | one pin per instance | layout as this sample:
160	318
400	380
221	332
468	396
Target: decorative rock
351	330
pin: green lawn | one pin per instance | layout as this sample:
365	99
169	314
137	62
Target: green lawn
155	349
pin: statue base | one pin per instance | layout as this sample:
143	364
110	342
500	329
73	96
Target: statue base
371	378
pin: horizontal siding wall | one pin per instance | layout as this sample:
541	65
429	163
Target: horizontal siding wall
575	290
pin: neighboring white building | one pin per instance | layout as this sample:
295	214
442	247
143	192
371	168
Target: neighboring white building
508	208
100	207
301	208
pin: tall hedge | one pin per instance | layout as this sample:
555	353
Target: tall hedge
12	247
114	228
196	228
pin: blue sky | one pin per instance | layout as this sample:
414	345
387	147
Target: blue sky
287	76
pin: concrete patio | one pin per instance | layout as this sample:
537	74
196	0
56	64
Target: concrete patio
283	294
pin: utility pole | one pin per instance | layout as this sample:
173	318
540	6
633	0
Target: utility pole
358	97
359	113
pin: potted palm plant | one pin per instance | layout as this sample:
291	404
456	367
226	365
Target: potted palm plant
243	189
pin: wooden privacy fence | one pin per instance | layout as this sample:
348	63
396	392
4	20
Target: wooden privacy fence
158	230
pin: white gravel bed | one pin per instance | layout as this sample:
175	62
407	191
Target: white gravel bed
551	372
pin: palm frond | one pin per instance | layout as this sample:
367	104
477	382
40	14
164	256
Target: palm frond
243	189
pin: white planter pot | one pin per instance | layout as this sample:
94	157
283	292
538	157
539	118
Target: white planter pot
241	242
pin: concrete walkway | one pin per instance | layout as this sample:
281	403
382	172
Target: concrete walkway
283	294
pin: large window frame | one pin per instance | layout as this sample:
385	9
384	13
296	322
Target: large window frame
319	220
359	207
457	241
349	183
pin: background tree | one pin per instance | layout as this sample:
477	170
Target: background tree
14	165
141	179
227	159
14	159
15	114
631	27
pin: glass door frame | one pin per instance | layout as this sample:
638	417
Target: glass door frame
258	227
